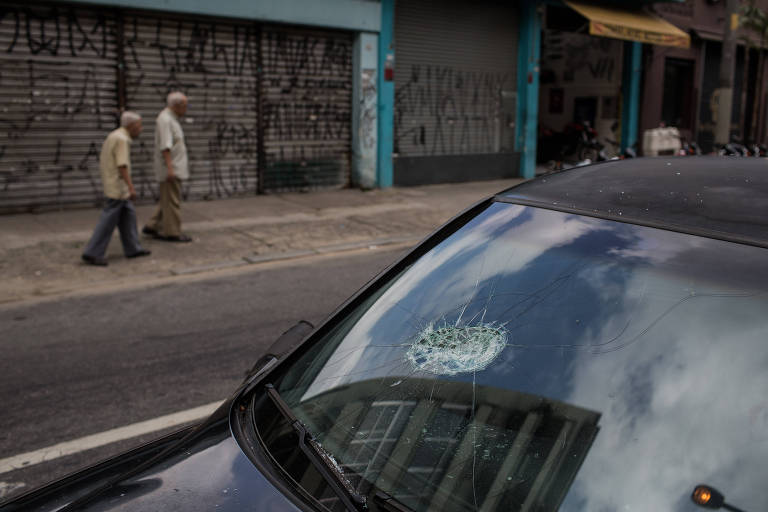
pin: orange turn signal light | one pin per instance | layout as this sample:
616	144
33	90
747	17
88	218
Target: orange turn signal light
707	497
702	495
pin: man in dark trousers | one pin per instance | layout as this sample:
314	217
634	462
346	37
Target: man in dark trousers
115	167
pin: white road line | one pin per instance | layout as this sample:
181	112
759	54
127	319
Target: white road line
24	460
6	488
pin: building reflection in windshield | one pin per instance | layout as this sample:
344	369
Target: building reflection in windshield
498	450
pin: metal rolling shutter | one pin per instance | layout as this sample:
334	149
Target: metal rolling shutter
455	82
307	102
215	64
57	103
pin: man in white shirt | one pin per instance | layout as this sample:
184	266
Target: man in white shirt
171	168
115	167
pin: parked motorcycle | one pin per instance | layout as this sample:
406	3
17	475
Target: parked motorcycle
758	150
628	152
689	148
733	149
576	145
736	148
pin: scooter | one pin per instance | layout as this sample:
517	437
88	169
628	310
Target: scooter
689	148
577	141
758	150
733	149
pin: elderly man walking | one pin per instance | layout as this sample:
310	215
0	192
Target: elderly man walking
171	168
115	167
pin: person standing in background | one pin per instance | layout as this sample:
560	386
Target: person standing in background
171	169
115	167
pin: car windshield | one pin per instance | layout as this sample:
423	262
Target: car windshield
539	360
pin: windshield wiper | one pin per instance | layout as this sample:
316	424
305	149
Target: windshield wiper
390	503
325	464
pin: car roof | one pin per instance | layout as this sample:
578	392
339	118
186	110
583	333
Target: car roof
718	197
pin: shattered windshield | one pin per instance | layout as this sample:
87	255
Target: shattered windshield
539	360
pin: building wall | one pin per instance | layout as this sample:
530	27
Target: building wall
270	104
705	21
654	59
363	15
580	66
455	83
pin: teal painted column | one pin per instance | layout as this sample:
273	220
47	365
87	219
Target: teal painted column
386	103
528	56
630	91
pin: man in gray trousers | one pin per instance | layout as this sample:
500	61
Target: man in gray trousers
115	166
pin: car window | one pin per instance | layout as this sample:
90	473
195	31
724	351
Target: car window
539	360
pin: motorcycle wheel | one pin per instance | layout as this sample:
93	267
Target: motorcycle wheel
586	152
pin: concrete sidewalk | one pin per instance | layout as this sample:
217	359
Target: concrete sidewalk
40	253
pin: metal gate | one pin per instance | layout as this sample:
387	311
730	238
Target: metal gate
307	107
216	64
57	102
455	83
269	107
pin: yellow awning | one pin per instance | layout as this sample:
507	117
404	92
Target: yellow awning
631	25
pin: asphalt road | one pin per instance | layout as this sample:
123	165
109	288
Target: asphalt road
79	366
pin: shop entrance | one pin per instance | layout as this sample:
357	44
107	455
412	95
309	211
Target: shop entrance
580	89
678	104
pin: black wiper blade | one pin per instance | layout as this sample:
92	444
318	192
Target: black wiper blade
388	502
322	460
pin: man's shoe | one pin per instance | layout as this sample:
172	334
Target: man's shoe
149	231
180	238
137	254
95	260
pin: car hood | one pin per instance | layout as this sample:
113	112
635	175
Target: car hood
206	470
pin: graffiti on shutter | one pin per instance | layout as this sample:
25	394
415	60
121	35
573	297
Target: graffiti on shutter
307	98
450	77
215	64
441	110
59	89
57	103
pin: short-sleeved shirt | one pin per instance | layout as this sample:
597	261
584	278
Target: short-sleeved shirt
169	135
115	152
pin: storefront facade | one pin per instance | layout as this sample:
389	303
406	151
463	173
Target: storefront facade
303	94
455	91
583	66
681	85
271	104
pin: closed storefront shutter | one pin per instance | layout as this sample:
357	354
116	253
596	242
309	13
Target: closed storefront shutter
270	107
455	86
215	63
58	101
307	102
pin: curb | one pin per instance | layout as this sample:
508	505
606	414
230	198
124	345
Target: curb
255	259
206	268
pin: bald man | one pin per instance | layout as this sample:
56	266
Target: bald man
171	168
115	167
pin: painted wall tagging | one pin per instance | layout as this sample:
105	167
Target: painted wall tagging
455	91
57	102
580	80
216	65
441	110
307	88
269	107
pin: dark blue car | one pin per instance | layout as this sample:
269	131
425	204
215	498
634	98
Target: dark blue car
592	340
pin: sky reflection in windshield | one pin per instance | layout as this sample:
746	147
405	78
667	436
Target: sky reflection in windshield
647	329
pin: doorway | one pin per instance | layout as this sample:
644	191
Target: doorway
677	104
